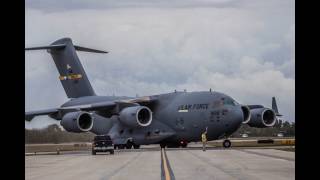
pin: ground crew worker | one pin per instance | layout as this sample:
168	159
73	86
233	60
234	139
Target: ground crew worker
204	140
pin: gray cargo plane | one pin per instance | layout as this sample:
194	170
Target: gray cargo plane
171	120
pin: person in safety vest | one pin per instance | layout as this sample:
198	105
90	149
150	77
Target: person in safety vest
204	139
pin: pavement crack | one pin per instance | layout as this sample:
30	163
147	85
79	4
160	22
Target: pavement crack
127	163
229	172
266	155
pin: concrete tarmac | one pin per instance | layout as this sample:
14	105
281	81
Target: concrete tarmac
146	163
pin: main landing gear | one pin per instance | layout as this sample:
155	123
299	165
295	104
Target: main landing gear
136	146
128	145
182	144
119	146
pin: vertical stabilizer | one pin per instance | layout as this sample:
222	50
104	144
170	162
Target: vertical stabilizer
275	107
72	75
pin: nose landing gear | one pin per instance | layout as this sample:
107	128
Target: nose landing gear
226	143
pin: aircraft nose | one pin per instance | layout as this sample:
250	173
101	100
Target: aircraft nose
238	116
235	119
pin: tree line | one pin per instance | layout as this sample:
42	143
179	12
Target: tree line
284	127
54	134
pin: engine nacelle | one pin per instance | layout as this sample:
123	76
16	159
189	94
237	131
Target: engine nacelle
262	117
136	116
77	121
246	114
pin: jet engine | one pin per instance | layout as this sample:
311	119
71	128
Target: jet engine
136	116
77	121
262	117
246	114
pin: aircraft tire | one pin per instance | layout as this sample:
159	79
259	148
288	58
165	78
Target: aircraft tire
128	146
162	145
173	145
184	145
121	146
226	143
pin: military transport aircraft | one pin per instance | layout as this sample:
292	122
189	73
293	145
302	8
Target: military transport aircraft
171	120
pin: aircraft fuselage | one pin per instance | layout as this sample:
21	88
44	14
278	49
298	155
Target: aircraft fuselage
178	116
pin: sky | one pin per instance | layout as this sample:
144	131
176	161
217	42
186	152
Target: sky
243	48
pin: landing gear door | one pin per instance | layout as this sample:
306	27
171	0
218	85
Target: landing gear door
179	124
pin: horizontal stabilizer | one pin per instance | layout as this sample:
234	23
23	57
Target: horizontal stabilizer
79	48
71	73
56	46
62	46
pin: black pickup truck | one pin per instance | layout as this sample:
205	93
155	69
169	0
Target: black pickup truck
102	143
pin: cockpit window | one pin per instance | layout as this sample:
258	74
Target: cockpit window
235	102
229	101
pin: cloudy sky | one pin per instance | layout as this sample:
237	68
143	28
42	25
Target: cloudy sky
244	48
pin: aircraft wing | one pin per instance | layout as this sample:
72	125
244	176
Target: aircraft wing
255	106
58	111
274	106
149	101
141	100
107	105
31	114
99	106
92	106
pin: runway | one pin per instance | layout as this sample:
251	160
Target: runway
149	163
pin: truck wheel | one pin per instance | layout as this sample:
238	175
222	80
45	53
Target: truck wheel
226	143
112	152
93	152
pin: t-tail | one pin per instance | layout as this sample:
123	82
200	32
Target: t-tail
72	75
